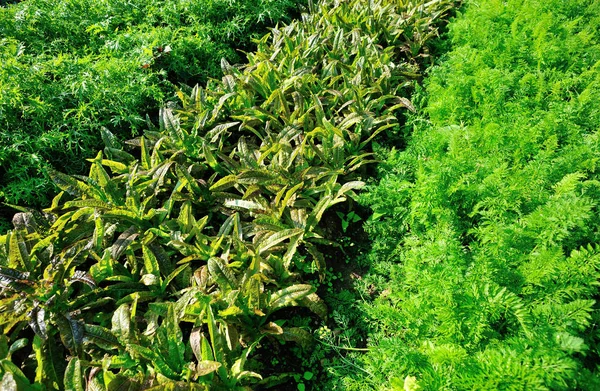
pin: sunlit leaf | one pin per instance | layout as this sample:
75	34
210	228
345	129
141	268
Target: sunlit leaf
289	296
277	238
84	277
101	337
205	367
73	376
221	272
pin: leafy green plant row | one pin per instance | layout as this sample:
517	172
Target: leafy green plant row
71	68
490	280
170	263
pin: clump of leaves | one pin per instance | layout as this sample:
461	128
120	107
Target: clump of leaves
125	252
69	69
198	237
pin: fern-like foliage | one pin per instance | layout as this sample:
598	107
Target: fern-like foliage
491	279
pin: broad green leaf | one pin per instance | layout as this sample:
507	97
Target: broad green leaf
140	296
48	362
73	376
347	187
172	276
314	303
298	335
18	256
169	123
4	346
37	322
150	261
276	238
216	340
90	202
15	280
123	241
142	351
120	215
116	167
7	366
289	296
183	173
215	245
99	175
252	292
71	331
103	268
232	310
246	154
40	373
200	346
378	131
213	134
186	218
18	344
289	197
109	139
157	157
119	155
211	161
317	213
254	191
163	258
84	277
255	176
98	236
269	223
176	348
232	337
224	183
222	274
292	249
55	202
101	337
71	185
227	225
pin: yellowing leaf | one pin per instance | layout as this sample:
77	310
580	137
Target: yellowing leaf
206	366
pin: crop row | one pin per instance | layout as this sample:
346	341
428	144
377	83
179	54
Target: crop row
182	251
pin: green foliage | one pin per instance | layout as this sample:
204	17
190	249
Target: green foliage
71	68
486	260
113	253
199	232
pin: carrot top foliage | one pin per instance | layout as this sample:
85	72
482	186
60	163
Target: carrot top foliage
490	280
